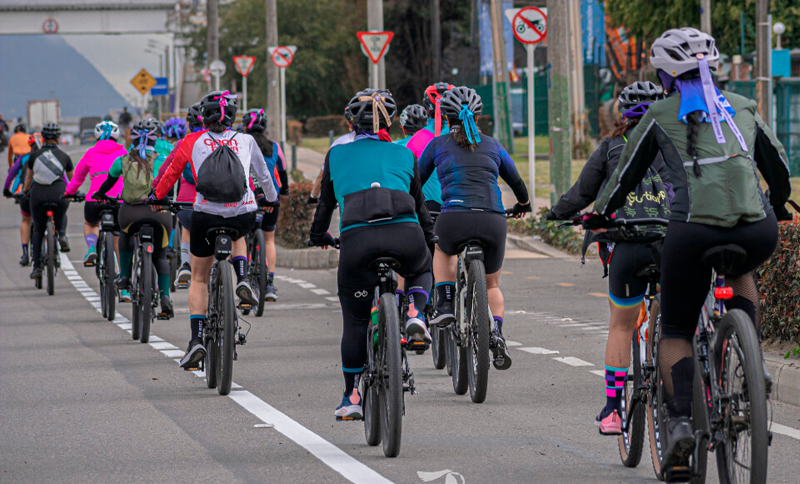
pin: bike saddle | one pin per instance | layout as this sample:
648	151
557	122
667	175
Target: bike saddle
213	232
648	271
393	263
470	243
724	258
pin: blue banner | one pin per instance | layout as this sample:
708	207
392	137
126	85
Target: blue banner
593	25
161	88
485	31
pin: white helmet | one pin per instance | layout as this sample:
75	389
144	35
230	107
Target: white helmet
676	51
106	130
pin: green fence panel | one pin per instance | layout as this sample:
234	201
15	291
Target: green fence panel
787	120
591	93
743	88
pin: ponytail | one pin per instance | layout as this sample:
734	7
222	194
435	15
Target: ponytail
692	129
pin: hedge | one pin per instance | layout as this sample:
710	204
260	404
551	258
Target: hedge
295	216
780	286
567	238
319	126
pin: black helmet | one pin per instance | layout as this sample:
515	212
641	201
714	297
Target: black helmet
218	107
194	117
362	105
413	118
51	131
637	93
20	128
148	128
255	121
457	99
162	128
432	93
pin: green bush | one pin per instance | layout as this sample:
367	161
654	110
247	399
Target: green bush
294	219
567	239
780	286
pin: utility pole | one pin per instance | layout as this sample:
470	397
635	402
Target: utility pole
375	22
763	55
436	41
705	16
578	95
212	30
558	97
502	125
273	91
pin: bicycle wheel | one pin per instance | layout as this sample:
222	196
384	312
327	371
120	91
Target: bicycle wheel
227	324
146	296
50	267
458	363
99	270
742	455
632	411
175	262
258	267
479	333
437	340
657	400
370	403
42	254
449	343
699	422
391	380
109	273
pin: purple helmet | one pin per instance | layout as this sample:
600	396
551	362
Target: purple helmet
175	128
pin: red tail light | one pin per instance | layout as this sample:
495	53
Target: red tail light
403	341
723	292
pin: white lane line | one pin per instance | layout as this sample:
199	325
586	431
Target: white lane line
787	431
510	343
336	299
535	350
320	292
598	372
574	325
335	458
572	361
330	455
307	285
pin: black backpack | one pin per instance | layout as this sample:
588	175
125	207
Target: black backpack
221	177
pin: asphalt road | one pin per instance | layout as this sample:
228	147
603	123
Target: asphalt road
80	401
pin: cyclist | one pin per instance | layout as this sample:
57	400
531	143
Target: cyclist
255	124
175	129
413	118
467	164
625	290
45	185
219	111
186	193
95	164
18	143
13	184
718	201
136	169
371	179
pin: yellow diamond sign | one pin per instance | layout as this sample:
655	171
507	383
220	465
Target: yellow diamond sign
143	81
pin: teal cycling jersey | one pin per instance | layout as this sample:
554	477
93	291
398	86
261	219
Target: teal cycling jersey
404	141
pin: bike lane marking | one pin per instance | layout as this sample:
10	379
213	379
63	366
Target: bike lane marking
347	466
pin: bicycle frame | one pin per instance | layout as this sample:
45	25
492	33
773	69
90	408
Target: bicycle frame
465	257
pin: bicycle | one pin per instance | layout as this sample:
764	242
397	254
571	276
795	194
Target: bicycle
258	268
49	258
470	339
387	375
438	340
174	256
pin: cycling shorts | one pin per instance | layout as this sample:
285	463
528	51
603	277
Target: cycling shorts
456	228
270	220
25	206
625	290
92	211
185	218
132	217
200	245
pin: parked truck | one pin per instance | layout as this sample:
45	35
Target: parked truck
43	111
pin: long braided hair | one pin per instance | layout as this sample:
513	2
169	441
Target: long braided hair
692	129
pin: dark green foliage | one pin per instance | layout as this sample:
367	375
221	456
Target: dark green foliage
780	287
319	126
295	217
567	239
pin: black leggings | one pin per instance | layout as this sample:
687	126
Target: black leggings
359	247
40	196
685	280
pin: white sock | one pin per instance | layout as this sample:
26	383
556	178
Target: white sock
185	258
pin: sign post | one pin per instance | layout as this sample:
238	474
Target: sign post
375	45
217	69
143	82
244	64
530	27
282	56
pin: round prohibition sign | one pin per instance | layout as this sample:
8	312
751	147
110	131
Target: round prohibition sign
530	25
282	57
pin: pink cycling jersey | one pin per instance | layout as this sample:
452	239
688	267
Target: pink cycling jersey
96	162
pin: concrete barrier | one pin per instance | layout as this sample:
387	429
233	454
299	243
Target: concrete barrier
312	258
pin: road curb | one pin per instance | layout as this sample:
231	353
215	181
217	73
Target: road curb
313	258
785	379
532	244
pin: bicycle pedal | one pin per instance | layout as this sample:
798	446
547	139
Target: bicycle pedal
348	419
163	317
182	285
191	369
677	474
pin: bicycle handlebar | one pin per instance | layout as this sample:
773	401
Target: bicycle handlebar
335	245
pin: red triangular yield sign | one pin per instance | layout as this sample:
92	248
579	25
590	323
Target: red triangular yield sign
375	44
244	63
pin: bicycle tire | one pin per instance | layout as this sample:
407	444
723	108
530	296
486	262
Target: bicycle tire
447	333
370	400
42	254
656	401
438	351
110	276
211	361
458	365
391	393
175	262
51	258
259	260
227	324
699	422
146	299
99	270
631	441
478	358
737	337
